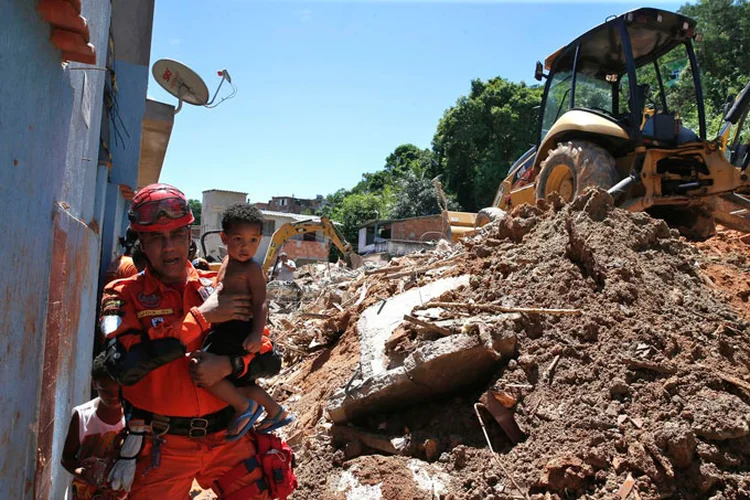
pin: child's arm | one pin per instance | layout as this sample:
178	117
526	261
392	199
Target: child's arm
257	282
92	469
70	449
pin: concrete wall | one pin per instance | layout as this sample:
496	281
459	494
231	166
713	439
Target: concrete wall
213	205
51	198
132	22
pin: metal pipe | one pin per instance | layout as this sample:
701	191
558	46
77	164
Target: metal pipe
622	187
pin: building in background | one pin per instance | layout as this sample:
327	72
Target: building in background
401	236
292	205
71	150
303	249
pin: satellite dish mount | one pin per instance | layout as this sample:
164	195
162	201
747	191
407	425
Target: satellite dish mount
185	84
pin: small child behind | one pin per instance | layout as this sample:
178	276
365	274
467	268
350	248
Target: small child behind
93	439
242	226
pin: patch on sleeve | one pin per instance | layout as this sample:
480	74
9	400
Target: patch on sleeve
112	307
109	324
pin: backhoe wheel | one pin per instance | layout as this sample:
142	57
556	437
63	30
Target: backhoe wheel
572	167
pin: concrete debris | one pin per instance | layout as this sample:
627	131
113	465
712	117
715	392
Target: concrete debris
609	366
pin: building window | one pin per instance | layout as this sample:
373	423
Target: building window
309	237
385	232
269	226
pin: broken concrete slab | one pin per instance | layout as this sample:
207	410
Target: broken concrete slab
376	324
439	367
349	434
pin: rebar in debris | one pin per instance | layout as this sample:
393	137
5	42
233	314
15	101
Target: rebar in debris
494	454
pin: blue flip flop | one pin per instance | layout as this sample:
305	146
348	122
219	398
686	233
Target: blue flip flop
275	422
253	413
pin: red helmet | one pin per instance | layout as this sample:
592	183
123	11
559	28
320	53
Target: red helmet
159	207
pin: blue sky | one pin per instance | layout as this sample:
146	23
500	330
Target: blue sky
328	89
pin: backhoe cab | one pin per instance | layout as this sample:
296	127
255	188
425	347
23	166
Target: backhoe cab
623	110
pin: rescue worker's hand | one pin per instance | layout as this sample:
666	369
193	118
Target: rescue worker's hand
207	369
220	307
253	342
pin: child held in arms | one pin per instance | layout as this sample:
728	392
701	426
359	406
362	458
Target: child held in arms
242	226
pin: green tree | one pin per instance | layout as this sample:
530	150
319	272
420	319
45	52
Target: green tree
197	207
405	158
723	54
416	197
482	135
357	208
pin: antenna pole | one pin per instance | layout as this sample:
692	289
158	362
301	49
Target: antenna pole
179	97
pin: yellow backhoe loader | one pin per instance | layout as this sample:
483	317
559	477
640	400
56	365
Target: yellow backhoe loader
325	226
623	110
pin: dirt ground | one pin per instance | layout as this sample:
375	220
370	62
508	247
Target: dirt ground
644	394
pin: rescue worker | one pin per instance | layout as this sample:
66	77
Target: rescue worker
151	320
123	266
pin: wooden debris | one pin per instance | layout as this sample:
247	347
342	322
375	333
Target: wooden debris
519	386
389	445
550	371
504	398
315	315
665	368
384	270
338	306
729	378
502	415
431	327
626	488
494	454
503	309
419	270
399	333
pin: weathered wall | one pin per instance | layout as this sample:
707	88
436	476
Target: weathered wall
214	203
429	227
132	22
49	137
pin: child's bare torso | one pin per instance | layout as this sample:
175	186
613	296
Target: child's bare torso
235	276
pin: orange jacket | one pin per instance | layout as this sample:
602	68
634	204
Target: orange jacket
144	303
121	267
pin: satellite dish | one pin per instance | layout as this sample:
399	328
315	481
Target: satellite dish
185	84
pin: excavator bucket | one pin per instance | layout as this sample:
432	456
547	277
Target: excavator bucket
733	211
460	224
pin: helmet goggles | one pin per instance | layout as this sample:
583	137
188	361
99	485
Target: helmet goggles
154	212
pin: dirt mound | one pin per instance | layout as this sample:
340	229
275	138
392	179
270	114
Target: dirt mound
644	392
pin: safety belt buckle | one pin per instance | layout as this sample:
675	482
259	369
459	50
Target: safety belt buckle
159	425
198	428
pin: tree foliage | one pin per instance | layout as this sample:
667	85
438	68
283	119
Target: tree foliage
197	208
357	208
723	54
417	196
482	135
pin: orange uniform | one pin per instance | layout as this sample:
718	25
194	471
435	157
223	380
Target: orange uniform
121	267
143	303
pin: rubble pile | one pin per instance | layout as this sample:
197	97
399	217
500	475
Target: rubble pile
601	352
